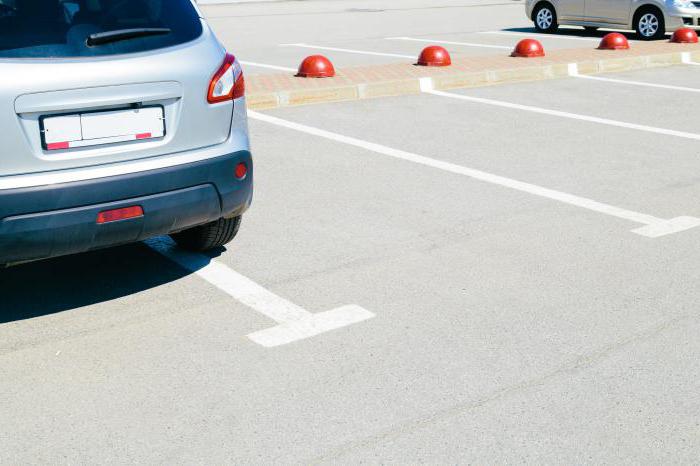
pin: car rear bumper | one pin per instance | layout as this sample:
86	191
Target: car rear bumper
54	220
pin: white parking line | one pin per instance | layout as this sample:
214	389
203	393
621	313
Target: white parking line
448	42
295	323
654	227
537	34
358	52
573	72
687	59
263	65
427	87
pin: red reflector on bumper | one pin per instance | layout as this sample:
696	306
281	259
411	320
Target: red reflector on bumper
120	214
241	171
144	136
58	145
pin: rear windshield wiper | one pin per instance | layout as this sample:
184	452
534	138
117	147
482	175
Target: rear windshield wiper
101	38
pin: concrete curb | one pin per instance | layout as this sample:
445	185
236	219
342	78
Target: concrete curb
459	80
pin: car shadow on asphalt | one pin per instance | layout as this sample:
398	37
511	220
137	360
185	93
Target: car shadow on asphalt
56	285
578	32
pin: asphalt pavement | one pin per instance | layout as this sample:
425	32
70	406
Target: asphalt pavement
487	276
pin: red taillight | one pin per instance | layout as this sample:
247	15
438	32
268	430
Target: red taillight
241	171
114	215
228	83
239	87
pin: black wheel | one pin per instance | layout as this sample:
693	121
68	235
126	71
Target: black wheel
545	18
649	24
208	236
590	29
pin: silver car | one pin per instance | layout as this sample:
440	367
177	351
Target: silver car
120	120
650	18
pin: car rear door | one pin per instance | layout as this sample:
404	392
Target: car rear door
608	11
571	10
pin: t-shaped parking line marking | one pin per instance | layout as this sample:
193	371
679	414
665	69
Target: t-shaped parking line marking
574	73
654	227
295	323
427	87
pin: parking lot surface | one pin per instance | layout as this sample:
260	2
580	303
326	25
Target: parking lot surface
517	290
270	38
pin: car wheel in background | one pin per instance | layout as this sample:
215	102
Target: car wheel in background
545	18
649	24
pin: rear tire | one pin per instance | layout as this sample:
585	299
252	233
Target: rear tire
649	24
545	18
208	236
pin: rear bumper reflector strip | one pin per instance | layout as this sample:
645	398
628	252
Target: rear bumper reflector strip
96	142
58	145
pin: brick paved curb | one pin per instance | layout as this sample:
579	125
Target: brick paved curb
285	90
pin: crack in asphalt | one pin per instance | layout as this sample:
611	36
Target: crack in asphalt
574	366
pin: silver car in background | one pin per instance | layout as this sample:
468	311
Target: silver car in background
121	120
650	18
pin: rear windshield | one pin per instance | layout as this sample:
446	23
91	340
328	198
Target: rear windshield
63	28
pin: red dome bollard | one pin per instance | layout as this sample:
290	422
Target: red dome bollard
528	48
685	36
614	41
316	66
434	56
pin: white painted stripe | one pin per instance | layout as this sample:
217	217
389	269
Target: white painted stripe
661	226
263	65
573	116
573	72
668	227
687	59
448	42
537	34
317	324
295	323
336	49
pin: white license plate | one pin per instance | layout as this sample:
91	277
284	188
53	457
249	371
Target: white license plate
97	128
